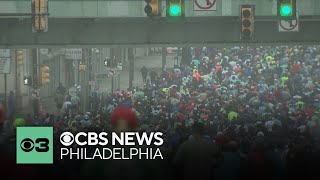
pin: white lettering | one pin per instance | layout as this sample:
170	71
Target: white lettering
77	153
97	153
116	138
158	136
157	153
104	153
116	153
141	153
129	138
85	154
92	138
77	139
144	138
61	152
133	153
103	138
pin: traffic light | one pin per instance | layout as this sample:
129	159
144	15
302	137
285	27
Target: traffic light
44	75
19	56
247	22
152	8
40	15
82	67
175	8
286	9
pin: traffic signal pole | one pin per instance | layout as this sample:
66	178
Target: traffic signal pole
35	68
164	57
35	79
131	66
112	66
17	93
5	96
85	80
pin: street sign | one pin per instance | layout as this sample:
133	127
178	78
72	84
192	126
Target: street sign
101	76
112	72
73	91
73	53
289	25
204	5
119	67
5	53
5	65
35	93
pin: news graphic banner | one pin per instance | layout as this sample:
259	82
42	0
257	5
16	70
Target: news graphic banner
34	145
119	146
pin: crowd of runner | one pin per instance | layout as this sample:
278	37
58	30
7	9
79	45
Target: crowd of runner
259	106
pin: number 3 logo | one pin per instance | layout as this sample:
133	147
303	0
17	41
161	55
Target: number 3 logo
40	145
43	145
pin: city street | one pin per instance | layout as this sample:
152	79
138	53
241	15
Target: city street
151	62
160	89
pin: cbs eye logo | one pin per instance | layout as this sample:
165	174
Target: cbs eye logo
40	145
66	138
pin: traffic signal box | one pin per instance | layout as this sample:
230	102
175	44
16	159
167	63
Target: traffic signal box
247	22
40	15
286	9
19	56
44	75
153	8
175	8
